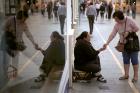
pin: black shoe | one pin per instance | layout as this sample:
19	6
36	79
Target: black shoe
101	79
134	80
40	78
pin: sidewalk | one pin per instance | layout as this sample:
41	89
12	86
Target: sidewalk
111	62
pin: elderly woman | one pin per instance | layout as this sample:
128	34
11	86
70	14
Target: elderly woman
54	55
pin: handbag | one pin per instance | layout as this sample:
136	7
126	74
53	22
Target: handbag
11	72
20	46
132	42
120	46
12	43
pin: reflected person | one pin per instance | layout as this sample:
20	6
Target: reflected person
54	56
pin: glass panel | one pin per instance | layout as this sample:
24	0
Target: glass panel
3	79
40	65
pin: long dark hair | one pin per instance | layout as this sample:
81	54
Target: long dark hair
82	35
56	35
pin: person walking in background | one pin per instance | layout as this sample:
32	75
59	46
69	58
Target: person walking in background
54	56
62	16
86	57
102	10
82	7
133	9
109	10
49	9
91	14
97	5
32	8
55	8
43	8
127	24
128	10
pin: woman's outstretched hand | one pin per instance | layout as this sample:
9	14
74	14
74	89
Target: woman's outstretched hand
101	49
105	46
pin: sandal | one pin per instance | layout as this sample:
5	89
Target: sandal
40	78
134	80
101	79
123	77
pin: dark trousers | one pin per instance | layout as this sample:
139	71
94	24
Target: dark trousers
109	14
91	22
46	66
62	21
93	66
97	13
49	14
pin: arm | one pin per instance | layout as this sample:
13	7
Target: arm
29	36
50	51
89	51
134	26
111	36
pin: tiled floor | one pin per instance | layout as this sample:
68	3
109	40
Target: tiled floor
111	62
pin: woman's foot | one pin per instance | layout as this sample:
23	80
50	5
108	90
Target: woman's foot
123	77
134	80
40	78
101	79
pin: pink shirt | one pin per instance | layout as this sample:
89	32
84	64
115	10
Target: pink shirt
119	28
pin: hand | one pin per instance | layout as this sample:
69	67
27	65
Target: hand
104	46
36	47
101	49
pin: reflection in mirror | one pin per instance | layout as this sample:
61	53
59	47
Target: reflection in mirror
32	46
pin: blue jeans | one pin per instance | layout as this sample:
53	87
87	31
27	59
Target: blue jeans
133	57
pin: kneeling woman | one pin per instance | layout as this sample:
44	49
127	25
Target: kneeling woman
54	56
86	57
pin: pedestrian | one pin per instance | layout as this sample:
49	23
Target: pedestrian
82	7
128	10
49	9
43	8
32	8
86	57
97	5
62	16
133	9
102	11
55	8
123	26
54	56
91	14
12	41
109	10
